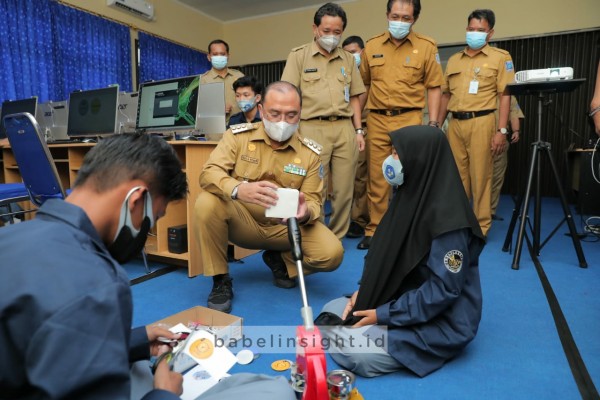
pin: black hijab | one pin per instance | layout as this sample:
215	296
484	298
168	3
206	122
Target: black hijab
431	202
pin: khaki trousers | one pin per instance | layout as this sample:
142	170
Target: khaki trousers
338	157
470	141
379	147
219	221
499	169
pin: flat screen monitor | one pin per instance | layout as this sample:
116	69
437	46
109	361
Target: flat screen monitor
170	104
14	107
52	117
93	112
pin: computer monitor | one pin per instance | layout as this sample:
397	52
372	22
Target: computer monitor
53	118
169	104
128	105
15	107
210	120
93	112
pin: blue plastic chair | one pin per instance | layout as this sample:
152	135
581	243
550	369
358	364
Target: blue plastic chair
11	193
34	160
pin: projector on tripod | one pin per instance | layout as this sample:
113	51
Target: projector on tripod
542	75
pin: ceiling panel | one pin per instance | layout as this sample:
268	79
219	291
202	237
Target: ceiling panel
229	10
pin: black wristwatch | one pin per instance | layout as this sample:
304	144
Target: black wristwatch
360	131
503	131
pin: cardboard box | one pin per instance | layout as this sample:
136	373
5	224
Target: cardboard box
225	326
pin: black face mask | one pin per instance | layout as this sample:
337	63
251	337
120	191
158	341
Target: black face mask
129	241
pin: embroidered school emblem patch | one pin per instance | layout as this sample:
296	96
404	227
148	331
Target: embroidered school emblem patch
453	261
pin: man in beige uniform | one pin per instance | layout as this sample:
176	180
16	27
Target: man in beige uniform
331	113
218	55
501	160
238	183
397	68
475	78
359	217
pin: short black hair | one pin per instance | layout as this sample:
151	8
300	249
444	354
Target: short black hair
122	158
218	41
481	14
415	3
282	87
354	39
249	81
333	10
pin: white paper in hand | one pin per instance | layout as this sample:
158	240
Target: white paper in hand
287	205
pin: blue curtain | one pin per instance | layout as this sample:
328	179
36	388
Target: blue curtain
48	50
161	59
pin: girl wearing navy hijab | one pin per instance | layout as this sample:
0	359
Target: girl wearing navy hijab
419	301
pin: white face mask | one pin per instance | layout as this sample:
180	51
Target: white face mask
329	42
393	171
279	131
399	29
357	59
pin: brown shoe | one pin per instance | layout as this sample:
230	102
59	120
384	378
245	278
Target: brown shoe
275	262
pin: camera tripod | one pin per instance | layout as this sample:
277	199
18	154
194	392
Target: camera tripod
539	148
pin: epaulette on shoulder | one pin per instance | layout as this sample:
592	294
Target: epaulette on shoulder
311	144
299	47
500	50
246	127
376	36
427	38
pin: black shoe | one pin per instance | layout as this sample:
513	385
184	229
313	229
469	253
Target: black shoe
221	294
497	218
365	243
355	231
277	265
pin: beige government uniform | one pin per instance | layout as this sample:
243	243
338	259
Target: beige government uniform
327	119
470	139
397	77
247	156
501	160
211	76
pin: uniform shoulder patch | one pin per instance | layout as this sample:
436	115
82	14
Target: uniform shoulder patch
376	36
246	127
299	47
453	261
427	38
311	144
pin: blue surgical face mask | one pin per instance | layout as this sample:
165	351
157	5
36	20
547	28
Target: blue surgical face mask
399	29
357	59
393	171
218	62
476	40
247	105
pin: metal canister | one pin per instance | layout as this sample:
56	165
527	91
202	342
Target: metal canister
340	383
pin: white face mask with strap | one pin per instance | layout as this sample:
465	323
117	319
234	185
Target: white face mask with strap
393	172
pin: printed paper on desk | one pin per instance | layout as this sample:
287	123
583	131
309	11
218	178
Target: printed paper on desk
287	205
214	358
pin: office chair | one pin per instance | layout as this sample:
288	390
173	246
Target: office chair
34	160
11	193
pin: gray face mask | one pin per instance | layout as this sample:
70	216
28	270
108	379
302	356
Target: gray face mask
393	172
129	241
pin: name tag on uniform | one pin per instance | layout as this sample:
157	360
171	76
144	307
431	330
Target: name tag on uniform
377	55
294	169
309	70
249	159
473	87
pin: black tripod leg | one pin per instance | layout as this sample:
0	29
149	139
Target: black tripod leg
567	212
513	222
519	246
